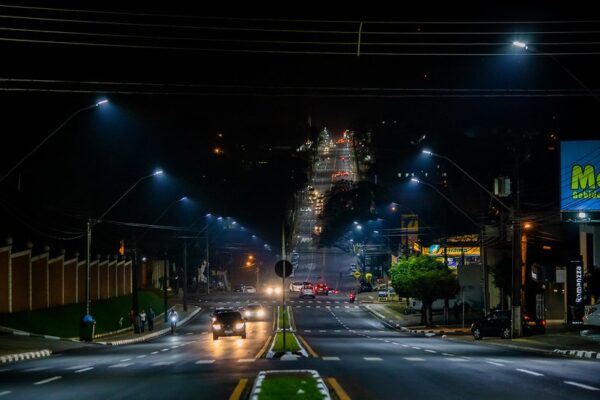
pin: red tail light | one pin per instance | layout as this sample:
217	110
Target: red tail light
526	317
543	322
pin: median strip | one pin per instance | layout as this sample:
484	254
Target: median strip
305	384
239	389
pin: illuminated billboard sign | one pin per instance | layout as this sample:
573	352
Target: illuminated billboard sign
580	175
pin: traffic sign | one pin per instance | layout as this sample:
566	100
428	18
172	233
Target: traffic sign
356	274
282	266
368	276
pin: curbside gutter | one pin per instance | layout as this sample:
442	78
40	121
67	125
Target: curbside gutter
25	356
151	335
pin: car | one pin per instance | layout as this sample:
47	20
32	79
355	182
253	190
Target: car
365	287
307	292
498	324
254	312
238	288
273	290
296	286
321	288
228	323
220	310
249	289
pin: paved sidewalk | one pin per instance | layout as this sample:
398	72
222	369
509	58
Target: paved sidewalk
557	339
17	345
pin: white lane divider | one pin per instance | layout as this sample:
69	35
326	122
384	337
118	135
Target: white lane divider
78	366
125	360
322	330
431	351
142	356
307	330
5	393
456	359
161	363
205	361
526	371
499	360
414	359
448	354
372	359
35	369
165	350
337	331
416	348
154	352
54	378
495	363
83	370
581	385
330	358
121	365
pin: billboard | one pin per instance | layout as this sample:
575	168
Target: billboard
580	175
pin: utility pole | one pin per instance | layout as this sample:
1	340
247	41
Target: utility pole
185	275
134	287
165	280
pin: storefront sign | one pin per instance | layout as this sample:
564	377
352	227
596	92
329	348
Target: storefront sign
575	291
580	175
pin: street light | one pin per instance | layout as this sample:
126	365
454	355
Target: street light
14	167
516	231
89	227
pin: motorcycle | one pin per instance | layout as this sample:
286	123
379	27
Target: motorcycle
173	323
352	297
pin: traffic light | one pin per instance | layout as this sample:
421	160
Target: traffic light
122	248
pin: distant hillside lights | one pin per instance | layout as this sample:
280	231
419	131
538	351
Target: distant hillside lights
585	182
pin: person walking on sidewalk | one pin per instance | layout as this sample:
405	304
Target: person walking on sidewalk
151	317
142	320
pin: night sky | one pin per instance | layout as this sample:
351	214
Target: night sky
180	76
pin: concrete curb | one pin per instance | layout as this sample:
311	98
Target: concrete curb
23	333
25	356
151	335
321	386
594	355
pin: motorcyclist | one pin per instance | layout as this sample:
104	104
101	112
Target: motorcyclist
173	317
352	296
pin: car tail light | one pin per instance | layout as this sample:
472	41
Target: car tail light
526	317
543	322
216	327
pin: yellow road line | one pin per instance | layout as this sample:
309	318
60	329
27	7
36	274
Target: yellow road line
340	393
307	346
264	348
239	389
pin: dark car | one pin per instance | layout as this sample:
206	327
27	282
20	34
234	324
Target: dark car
365	287
498	323
238	288
322	288
228	323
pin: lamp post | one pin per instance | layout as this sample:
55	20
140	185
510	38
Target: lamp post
516	245
90	224
54	132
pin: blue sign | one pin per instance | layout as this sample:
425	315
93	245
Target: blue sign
580	175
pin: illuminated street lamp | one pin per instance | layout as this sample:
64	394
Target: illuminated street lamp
14	167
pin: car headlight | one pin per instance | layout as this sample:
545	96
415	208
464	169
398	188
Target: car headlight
217	327
269	290
239	325
247	313
277	290
260	313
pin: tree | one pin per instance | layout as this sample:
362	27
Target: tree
425	279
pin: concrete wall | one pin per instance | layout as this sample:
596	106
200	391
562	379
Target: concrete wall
30	283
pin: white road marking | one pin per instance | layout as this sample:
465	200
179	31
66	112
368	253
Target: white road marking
430	351
190	333
5	393
387	341
456	359
121	365
495	363
448	354
35	369
83	370
372	359
165	350
337	330
142	356
5	369
246	360
322	330
529	372
498	360
416	348
331	358
307	330
205	361
78	366
54	378
414	359
581	385
161	363
154	352
125	360
404	345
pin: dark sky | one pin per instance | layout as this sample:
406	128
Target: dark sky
176	78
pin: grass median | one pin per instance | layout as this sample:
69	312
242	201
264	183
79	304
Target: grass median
291	344
294	386
63	321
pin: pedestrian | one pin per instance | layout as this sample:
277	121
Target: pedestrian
151	317
138	324
142	320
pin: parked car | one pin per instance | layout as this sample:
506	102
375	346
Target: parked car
249	289
228	323
238	288
498	324
307	292
254	312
